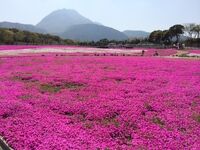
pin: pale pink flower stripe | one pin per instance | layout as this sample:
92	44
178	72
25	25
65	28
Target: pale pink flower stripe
18	47
149	51
195	51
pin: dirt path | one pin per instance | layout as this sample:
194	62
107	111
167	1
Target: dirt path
4	145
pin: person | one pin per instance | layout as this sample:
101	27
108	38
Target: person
156	53
178	46
143	53
183	46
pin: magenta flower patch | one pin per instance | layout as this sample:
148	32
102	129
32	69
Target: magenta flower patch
105	103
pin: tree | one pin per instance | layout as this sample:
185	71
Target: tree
167	37
176	31
103	43
188	28
6	36
196	29
156	36
19	36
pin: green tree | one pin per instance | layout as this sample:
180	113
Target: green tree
167	37
196	29
176	31
103	43
188	28
19	36
6	36
156	37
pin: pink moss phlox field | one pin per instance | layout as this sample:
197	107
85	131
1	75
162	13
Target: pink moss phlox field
104	103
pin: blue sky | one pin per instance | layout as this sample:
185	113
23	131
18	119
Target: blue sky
120	14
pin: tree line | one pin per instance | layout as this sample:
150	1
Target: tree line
189	32
15	36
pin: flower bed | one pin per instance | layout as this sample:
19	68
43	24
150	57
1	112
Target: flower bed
50	102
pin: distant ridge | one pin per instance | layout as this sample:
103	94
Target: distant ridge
93	32
24	27
136	34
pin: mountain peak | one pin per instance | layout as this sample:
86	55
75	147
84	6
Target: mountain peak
64	10
60	20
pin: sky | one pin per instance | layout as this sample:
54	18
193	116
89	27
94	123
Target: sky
147	15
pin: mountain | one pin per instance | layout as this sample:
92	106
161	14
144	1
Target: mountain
136	34
93	32
69	24
24	27
60	20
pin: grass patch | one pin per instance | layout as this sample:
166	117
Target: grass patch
72	85
122	136
88	125
158	121
197	118
183	55
148	107
55	88
50	88
110	121
24	78
25	97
